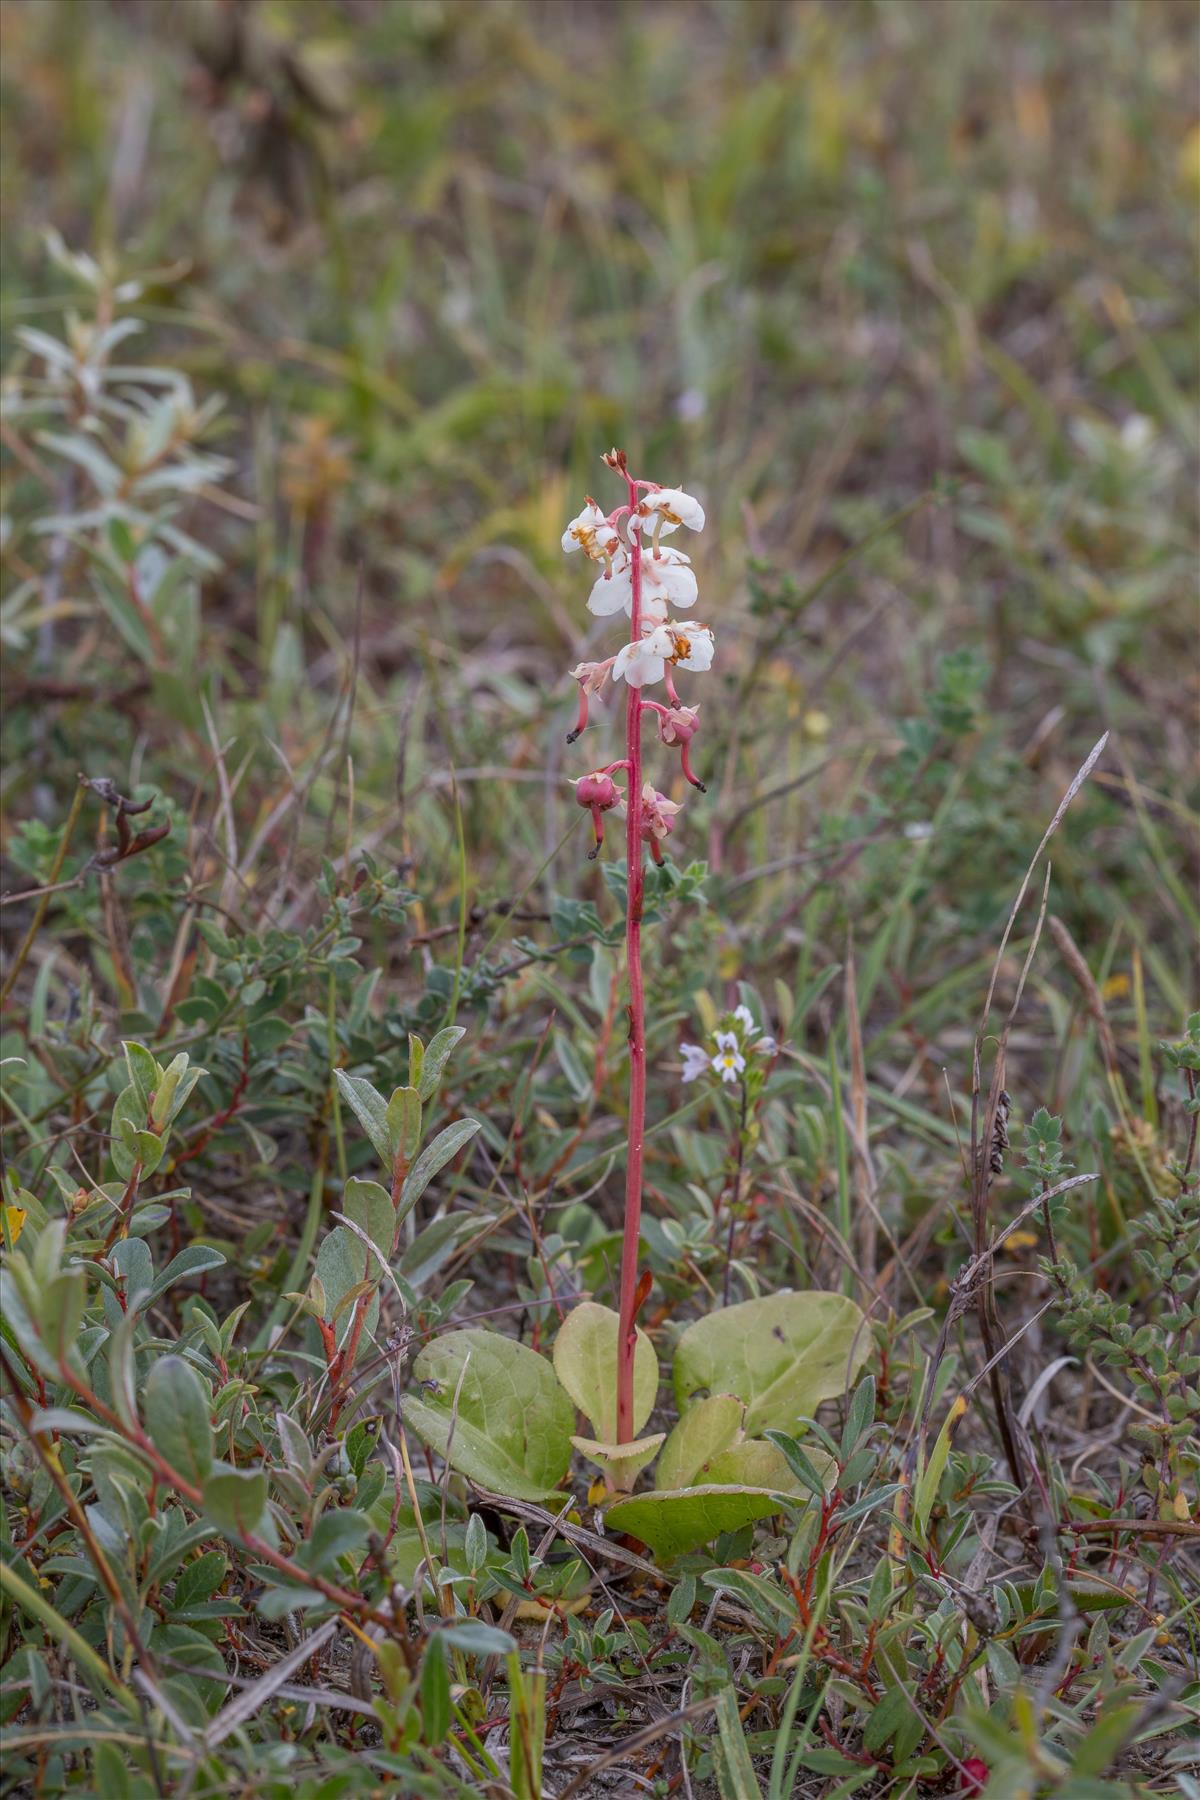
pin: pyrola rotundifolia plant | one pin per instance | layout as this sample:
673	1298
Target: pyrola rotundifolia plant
649	582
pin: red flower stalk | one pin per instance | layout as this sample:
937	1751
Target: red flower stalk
644	581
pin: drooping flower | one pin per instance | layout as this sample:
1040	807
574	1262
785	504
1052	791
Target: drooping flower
729	1061
638	663
679	725
667	508
667	581
599	793
745	1019
658	818
695	1061
591	677
680	643
658	813
591	532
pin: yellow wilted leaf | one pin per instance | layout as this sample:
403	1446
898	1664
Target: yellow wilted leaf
14	1222
540	1609
1021	1240
1115	987
1179	1506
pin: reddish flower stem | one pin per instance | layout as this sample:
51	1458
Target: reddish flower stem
634	879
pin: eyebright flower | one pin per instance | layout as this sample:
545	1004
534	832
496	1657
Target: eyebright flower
695	1061
667	508
599	793
591	532
729	1061
752	1037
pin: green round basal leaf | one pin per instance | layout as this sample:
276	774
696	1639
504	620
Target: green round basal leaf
510	1430
756	1463
706	1428
782	1355
585	1361
621	1462
670	1524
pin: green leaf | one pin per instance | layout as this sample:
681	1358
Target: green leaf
176	1409
766	1599
806	1467
433	1159
511	1431
235	1499
931	1475
370	1109
280	1599
60	1312
404	1123
477	1639
370	1206
143	1072
732	1766
197	1259
622	1461
578	1079
706	1428
860	1415
435	1693
343	1264
885	1718
673	1523
128	1115
753	1463
437	1054
199	1580
585	1361
1098	1750
782	1355
338	1532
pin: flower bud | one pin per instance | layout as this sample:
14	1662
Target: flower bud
599	793
598	789
678	724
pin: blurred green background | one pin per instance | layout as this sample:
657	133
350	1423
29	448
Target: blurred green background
903	289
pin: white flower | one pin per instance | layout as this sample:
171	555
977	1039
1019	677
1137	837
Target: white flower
612	591
639	663
695	1061
729	1061
683	644
767	1045
667	581
591	532
670	507
746	1020
667	577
